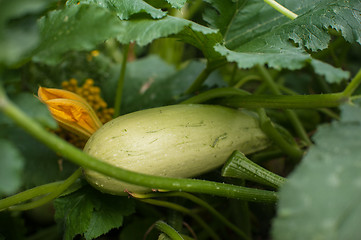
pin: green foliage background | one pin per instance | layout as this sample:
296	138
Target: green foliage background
179	49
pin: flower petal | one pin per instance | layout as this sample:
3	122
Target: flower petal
71	111
53	93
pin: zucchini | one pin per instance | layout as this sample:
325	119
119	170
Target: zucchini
173	141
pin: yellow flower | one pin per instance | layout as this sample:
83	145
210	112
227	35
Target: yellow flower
71	111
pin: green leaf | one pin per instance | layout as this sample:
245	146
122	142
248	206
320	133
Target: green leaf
91	213
250	20
333	75
124	8
18	31
73	28
145	30
254	33
177	3
260	52
42	165
11	168
323	194
151	82
35	109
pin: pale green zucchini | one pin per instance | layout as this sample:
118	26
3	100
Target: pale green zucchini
173	141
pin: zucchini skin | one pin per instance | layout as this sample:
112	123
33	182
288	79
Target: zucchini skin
173	141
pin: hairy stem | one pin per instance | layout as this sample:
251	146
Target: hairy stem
239	166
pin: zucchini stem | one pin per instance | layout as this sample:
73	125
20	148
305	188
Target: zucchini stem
202	77
119	92
291	15
239	166
353	85
50	192
291	115
168	230
267	127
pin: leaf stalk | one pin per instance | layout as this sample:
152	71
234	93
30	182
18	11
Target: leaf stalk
288	13
119	92
168	230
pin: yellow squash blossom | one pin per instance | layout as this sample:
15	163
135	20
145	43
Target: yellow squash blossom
71	111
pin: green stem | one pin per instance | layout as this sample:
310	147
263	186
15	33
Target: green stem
353	85
326	111
239	166
246	79
268	128
119	92
185	211
28	194
297	125
57	192
292	116
215	93
75	155
239	98
200	202
285	101
171	232
281	9
202	77
51	191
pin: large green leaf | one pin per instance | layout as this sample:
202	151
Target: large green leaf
254	33
91	213
77	27
35	109
145	30
18	31
42	165
321	199
243	21
177	3
11	168
124	8
151	82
